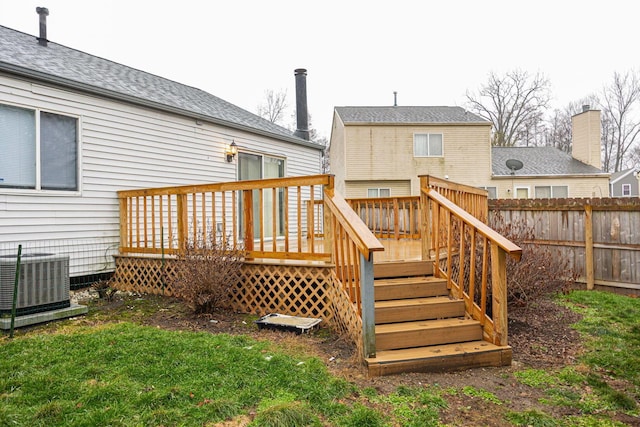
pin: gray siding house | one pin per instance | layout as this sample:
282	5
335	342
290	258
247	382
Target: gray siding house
625	183
76	128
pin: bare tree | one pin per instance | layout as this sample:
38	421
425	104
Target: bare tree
621	120
514	103
558	129
275	103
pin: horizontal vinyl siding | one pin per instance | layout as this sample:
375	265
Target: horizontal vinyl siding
358	189
577	187
376	153
123	147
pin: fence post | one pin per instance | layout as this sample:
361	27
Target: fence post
499	294
588	246
368	306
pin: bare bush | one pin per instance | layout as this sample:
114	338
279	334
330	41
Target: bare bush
540	270
206	273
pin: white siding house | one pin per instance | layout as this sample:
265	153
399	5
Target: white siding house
132	130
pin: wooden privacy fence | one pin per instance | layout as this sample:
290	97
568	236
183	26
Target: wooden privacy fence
269	218
471	257
599	237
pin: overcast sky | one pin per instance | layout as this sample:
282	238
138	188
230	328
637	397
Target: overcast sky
357	53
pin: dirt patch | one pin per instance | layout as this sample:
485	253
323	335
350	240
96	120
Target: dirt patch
541	337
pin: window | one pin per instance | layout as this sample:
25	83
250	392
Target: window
522	192
39	150
255	166
427	145
378	192
492	192
551	191
626	189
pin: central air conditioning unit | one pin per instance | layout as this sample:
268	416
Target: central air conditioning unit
43	284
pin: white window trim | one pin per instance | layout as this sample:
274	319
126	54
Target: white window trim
521	187
427	133
378	190
551	187
38	190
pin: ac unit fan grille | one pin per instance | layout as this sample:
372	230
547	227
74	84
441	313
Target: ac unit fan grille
43	283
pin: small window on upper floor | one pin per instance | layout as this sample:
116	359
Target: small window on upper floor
39	150
626	189
427	145
378	192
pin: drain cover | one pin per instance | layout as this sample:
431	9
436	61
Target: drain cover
284	322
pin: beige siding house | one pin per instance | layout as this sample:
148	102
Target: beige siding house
548	172
381	151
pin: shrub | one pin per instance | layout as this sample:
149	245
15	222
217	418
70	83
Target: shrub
540	270
206	273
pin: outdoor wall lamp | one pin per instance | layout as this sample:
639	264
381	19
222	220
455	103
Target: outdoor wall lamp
231	151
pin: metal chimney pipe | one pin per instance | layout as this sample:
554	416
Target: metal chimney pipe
395	98
302	113
43	12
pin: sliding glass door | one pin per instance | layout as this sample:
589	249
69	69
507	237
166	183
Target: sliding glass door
255	166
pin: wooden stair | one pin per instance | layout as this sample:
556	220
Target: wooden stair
419	328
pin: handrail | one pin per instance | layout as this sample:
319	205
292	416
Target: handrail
507	245
472	199
472	258
352	245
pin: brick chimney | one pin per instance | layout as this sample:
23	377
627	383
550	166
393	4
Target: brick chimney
585	139
43	12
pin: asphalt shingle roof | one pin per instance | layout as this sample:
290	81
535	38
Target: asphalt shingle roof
21	54
539	161
407	115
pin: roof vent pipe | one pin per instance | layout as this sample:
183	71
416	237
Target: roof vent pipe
302	114
43	12
395	98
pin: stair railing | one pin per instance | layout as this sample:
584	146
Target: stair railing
352	245
471	257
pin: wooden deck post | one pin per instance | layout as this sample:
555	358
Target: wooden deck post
588	246
368	306
425	229
124	223
183	220
499	294
247	218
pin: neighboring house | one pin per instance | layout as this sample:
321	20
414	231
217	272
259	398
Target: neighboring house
75	128
381	151
625	183
547	172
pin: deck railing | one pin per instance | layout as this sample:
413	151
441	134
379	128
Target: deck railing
472	257
353	245
390	217
268	218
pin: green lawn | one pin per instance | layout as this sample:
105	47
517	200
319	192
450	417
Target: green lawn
123	374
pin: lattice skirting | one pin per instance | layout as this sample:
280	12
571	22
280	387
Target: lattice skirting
297	290
346	319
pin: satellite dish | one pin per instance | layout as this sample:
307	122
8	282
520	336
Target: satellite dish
514	165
